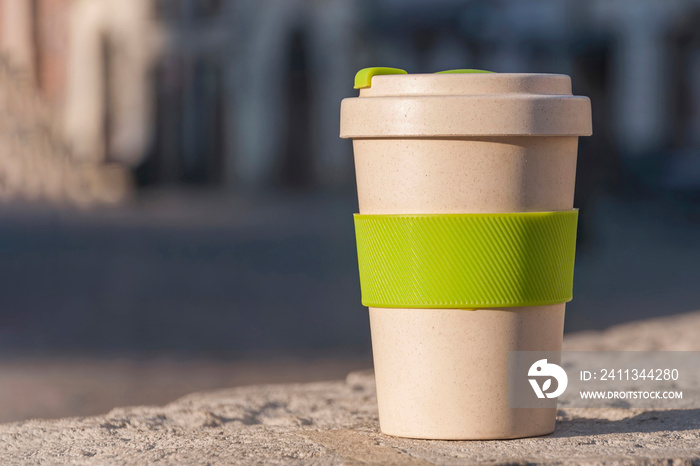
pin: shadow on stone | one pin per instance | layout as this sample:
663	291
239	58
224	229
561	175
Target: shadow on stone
672	420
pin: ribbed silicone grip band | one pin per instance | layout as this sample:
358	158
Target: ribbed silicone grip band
466	260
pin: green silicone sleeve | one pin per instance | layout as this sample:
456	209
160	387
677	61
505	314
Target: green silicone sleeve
466	261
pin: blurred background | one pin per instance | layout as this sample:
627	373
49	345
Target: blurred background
176	205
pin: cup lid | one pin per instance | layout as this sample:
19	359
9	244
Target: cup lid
456	103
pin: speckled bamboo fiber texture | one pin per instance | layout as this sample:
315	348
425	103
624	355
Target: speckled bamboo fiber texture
462	143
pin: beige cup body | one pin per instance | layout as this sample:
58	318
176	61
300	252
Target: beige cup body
442	373
465	175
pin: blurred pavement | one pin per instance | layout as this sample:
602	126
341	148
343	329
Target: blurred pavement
195	290
201	273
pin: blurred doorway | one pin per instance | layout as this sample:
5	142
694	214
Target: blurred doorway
296	167
189	124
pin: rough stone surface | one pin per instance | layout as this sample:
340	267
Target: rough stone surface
336	423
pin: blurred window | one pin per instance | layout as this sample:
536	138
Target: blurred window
203	123
168	9
204	9
189	123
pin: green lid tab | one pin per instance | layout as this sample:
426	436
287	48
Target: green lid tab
363	78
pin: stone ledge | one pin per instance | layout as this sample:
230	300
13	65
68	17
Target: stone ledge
336	423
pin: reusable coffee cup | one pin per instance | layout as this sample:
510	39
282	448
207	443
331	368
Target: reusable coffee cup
466	238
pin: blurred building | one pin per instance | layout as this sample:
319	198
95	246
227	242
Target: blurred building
245	93
38	105
638	60
202	91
